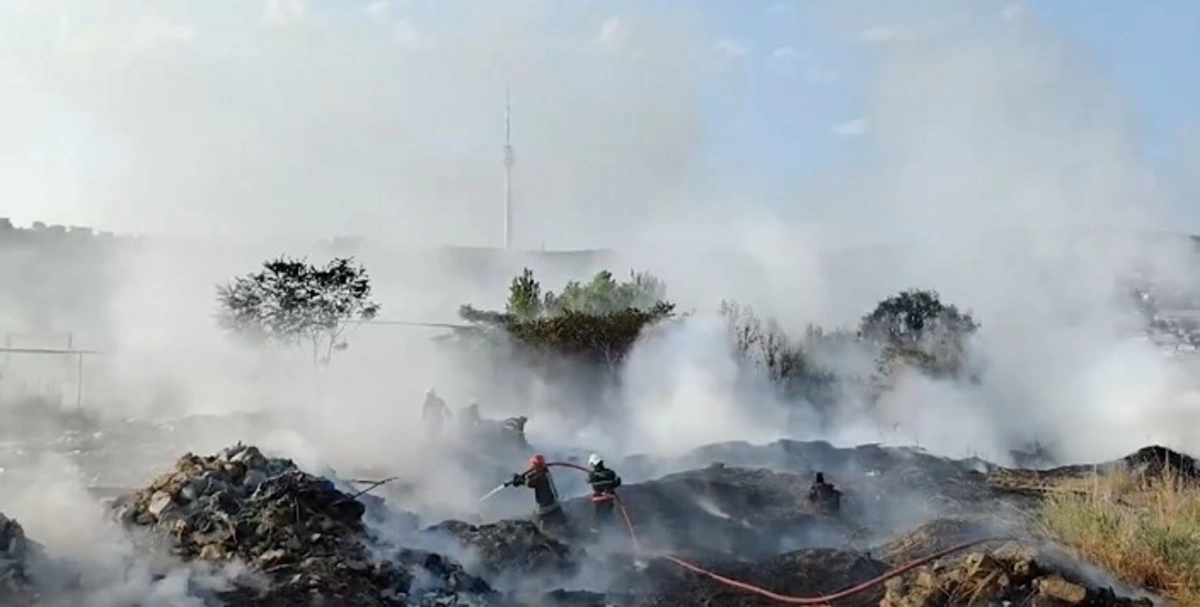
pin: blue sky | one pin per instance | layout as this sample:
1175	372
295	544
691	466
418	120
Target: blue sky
786	106
1149	49
790	109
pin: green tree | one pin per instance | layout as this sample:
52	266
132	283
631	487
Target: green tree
291	302
525	297
915	328
595	322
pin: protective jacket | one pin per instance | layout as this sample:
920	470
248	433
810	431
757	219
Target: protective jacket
604	483
435	410
545	494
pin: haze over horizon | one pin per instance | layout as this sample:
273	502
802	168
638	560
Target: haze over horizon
316	118
721	149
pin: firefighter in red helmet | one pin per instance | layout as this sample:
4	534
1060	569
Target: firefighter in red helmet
549	513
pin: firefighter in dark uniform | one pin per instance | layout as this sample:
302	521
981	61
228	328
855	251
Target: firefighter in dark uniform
550	515
824	496
604	482
435	412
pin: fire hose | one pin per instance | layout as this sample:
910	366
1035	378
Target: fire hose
775	596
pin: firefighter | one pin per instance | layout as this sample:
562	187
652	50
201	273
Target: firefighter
470	418
824	496
435	412
550	515
604	482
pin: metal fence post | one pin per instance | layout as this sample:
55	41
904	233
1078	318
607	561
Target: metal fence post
79	383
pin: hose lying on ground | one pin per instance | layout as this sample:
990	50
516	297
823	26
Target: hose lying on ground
782	598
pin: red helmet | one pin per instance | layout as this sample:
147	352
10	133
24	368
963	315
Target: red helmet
537	462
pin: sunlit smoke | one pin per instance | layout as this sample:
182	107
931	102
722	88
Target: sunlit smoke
994	164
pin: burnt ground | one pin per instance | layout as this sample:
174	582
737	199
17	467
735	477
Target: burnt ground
738	510
746	517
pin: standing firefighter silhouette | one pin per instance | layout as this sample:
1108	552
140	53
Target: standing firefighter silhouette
604	482
824	496
435	412
549	512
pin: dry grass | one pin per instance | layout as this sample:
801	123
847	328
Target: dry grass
1145	532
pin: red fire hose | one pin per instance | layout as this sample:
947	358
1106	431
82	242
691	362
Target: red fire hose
782	598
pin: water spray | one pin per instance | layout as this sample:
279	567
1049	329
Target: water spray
489	494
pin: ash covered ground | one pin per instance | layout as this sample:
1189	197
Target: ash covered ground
236	525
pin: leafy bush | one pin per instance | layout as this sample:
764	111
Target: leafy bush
293	302
912	329
597	322
915	328
912	318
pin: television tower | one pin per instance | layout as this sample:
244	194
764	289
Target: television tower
509	160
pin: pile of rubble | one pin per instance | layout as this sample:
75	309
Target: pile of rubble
513	546
15	585
303	540
990	579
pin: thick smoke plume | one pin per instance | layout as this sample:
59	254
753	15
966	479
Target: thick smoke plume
996	164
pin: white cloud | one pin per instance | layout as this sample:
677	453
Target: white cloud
613	33
408	36
378	9
285	12
785	52
851	128
730	48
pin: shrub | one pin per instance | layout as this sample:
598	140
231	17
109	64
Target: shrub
597	322
1144	531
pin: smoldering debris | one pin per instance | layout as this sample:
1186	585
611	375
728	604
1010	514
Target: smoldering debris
514	547
250	529
301	539
15	585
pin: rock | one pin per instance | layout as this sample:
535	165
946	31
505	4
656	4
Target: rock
991	579
1057	588
158	503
